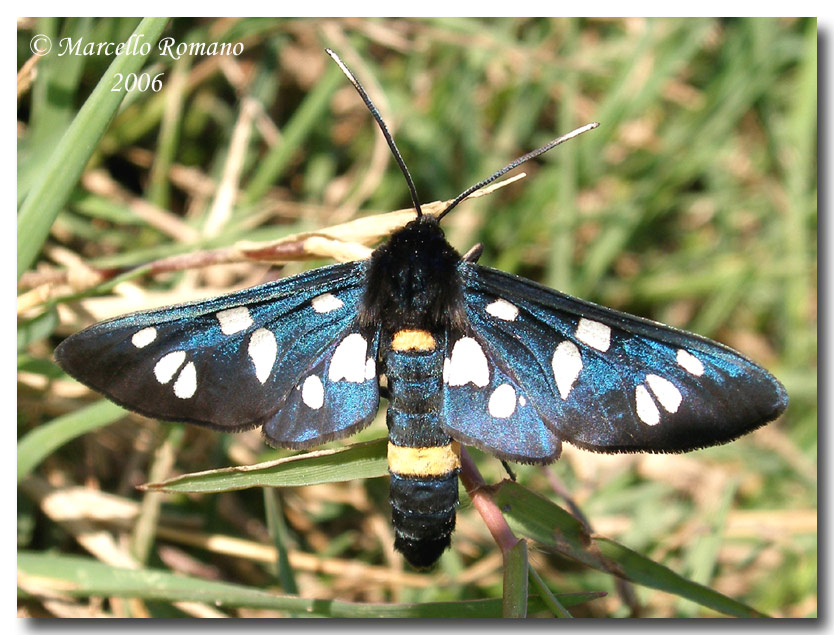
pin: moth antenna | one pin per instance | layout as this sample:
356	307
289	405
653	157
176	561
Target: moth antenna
516	163
388	138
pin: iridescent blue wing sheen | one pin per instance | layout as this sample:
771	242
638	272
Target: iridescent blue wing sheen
234	361
486	405
336	394
604	380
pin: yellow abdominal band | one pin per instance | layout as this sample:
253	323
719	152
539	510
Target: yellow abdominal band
413	340
433	461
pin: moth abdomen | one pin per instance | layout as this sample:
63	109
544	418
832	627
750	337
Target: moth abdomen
423	515
423	459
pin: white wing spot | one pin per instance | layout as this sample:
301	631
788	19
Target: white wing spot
144	337
594	334
327	302
467	364
646	409
186	383
567	363
263	349
370	368
234	320
503	310
312	393
522	401
502	402
690	363
666	392
348	360
167	366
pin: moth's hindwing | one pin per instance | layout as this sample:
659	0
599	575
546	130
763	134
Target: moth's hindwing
336	396
485	405
229	362
605	380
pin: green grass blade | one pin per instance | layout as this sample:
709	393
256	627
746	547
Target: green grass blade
56	182
554	605
280	535
362	460
36	329
702	554
538	518
302	124
45	439
640	569
83	577
53	106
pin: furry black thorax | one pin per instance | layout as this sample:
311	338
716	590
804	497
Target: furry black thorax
413	281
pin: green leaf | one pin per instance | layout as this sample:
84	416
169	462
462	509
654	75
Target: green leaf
362	460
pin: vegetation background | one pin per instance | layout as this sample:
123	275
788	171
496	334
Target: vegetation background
693	203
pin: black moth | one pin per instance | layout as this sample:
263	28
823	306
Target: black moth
469	355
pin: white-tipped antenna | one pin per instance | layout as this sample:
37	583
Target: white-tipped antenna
516	163
388	138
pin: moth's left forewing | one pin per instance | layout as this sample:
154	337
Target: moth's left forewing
611	382
229	362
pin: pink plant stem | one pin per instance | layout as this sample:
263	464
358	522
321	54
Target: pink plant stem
478	491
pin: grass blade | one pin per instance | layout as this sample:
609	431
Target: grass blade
53	188
362	460
84	577
43	440
538	518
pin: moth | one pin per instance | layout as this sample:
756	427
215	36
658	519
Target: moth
465	354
